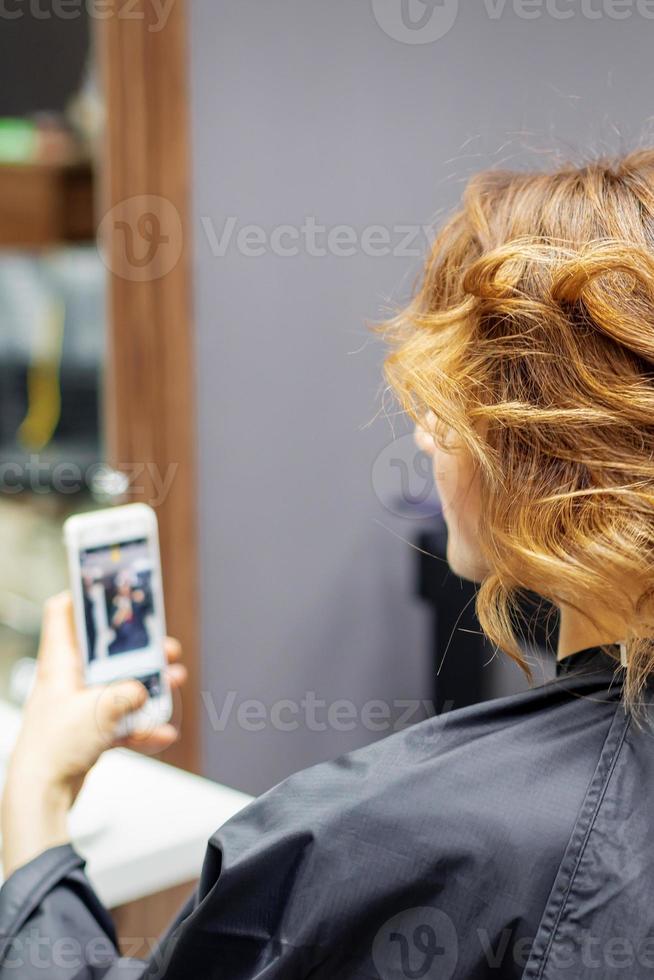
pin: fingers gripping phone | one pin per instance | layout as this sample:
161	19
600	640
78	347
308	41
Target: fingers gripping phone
115	574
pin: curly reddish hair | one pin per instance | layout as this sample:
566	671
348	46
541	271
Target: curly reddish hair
531	336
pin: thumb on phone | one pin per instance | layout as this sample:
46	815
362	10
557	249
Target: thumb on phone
114	703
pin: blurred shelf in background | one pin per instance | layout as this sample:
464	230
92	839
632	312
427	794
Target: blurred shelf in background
46	204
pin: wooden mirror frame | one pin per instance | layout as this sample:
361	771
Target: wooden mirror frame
150	393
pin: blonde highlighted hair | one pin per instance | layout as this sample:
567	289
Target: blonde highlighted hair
532	337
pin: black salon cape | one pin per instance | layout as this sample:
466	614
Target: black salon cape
510	839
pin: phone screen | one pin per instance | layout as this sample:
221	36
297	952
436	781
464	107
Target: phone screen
121	618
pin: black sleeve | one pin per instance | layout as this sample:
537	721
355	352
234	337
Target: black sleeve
296	885
274	898
53	925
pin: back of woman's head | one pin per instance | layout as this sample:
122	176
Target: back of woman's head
532	337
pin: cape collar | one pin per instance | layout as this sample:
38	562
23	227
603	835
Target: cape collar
598	658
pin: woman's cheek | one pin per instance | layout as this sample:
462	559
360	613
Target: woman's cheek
446	479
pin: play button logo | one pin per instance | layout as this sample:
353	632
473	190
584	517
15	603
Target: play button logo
416	21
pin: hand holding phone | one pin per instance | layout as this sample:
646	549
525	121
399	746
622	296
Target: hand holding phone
65	727
115	573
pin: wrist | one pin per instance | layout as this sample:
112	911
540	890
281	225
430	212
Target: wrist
34	817
35	786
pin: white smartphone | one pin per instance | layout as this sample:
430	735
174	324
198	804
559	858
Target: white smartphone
115	575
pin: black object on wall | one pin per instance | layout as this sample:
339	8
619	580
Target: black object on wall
42	57
462	657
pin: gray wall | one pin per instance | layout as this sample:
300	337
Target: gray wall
309	108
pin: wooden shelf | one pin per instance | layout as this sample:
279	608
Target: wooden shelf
44	204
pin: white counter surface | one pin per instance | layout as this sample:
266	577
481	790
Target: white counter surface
142	825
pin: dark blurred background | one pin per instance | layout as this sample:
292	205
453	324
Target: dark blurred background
52	307
43	59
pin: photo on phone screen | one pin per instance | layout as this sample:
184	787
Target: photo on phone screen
118	598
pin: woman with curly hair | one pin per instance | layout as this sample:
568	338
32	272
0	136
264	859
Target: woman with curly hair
508	839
